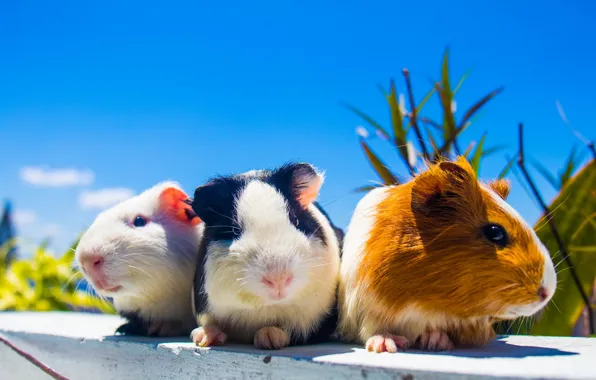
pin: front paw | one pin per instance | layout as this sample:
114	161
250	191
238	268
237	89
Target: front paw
208	335
435	341
386	343
271	338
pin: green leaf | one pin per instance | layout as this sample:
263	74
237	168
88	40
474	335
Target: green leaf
573	213
494	149
469	148
397	121
478	155
367	118
433	143
385	174
569	167
546	174
461	81
510	162
366	188
449	127
432	123
445	71
479	104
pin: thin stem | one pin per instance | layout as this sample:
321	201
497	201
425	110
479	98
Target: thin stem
554	230
413	117
29	357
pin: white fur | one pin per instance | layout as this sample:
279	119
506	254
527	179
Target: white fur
153	264
238	301
549	277
354	301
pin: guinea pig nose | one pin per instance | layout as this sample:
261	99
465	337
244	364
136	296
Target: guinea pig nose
91	263
542	293
280	280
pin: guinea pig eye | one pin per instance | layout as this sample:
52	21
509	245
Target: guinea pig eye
496	234
139	221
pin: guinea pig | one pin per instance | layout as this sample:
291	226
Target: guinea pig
432	263
142	253
269	260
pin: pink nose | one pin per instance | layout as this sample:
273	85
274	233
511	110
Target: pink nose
542	293
92	265
277	282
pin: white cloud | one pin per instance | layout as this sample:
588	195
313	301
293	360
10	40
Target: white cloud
104	198
24	217
48	177
51	230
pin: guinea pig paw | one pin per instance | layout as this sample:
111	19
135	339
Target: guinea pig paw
271	338
208	335
386	343
435	341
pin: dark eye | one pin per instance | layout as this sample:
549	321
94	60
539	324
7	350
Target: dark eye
496	234
139	221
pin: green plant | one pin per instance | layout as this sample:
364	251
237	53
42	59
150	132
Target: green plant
404	121
573	212
44	283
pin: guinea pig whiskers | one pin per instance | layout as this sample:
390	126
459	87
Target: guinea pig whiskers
139	269
550	215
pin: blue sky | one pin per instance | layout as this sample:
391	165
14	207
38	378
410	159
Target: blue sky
126	94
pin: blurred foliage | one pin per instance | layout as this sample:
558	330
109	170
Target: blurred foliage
412	133
574	213
44	283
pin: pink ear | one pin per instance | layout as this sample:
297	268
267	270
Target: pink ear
172	202
307	183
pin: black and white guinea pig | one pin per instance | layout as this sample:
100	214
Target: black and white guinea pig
142	253
269	261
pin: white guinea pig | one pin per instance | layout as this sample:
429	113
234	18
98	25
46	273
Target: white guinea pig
142	254
269	261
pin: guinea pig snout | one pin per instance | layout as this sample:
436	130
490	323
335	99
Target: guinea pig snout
277	283
93	265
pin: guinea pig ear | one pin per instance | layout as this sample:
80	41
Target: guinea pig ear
500	186
446	180
207	198
306	183
299	181
175	203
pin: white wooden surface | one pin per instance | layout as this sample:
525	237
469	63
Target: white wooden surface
82	346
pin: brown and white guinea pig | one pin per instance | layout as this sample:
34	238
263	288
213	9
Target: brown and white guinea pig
432	263
269	259
142	253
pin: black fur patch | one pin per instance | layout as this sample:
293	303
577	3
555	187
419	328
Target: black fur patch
135	325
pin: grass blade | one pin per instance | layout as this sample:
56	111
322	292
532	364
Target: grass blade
461	81
382	171
494	149
546	174
478	155
367	118
479	104
366	188
507	167
569	167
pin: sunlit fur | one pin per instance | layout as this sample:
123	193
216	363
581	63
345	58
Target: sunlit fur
238	301
153	264
415	260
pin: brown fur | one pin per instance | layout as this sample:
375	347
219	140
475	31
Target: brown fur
426	252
